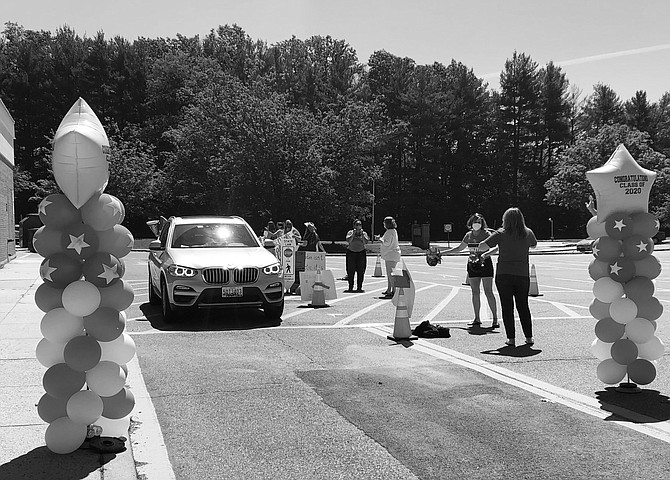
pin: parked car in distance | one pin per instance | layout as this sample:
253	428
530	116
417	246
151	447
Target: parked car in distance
586	245
212	262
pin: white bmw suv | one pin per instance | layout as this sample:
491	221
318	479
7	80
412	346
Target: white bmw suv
212	262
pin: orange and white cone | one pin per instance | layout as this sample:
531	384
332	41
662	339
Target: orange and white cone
401	327
318	293
378	267
534	290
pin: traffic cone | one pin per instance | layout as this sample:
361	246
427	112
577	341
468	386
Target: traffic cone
401	328
318	293
534	290
467	280
378	267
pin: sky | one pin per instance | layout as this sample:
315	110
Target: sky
620	43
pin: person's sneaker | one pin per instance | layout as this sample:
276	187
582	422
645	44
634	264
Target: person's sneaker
349	290
495	324
510	342
530	341
360	290
475	323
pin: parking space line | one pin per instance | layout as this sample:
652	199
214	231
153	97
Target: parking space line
565	309
646	425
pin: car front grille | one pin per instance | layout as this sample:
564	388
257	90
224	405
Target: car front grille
216	276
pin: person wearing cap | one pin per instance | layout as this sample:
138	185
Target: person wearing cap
310	240
356	238
390	253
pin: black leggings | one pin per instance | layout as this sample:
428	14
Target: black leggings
356	264
513	289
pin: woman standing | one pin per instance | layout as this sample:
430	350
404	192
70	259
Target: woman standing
480	266
310	240
512	276
390	253
357	238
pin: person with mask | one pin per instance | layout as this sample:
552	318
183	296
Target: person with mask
479	268
356	259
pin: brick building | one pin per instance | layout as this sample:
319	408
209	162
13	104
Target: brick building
7	241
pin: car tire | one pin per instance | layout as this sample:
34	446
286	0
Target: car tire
169	312
274	311
154	298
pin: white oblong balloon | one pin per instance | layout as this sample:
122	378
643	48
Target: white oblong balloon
79	158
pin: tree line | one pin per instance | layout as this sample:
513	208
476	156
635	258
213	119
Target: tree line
301	129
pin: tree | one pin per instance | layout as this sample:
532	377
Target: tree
555	106
638	112
602	107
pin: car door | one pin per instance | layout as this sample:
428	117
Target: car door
157	257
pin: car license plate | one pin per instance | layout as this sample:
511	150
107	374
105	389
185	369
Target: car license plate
231	291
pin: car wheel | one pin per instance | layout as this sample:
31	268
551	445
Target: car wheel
274	311
154	299
169	313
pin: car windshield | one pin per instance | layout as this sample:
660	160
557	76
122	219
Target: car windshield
212	235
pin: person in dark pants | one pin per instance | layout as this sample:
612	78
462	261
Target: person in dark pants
512	273
357	238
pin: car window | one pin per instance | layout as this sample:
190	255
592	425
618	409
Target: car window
214	235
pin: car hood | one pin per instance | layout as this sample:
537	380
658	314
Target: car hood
231	257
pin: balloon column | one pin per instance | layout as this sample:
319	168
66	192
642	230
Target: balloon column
623	271
83	295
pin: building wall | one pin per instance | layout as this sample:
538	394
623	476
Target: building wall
7	135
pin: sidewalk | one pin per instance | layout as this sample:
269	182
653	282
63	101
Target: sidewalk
23	452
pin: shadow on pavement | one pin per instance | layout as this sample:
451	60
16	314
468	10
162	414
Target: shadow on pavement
508	351
478	330
43	463
210	320
650	403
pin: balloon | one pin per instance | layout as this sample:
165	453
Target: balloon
118	295
103	269
599	310
606	249
639	288
598	269
648	267
80	241
61	381
621	185
79	161
114	427
65	436
651	350
48	297
118	241
60	270
619	225
56	211
106	378
600	349
636	247
82	353
595	229
59	326
610	372
50	353
47	241
120	351
641	371
608	330
50	408
645	225
102	211
607	290
640	330
81	298
119	405
622	270
623	310
84	407
105	324
651	308
624	351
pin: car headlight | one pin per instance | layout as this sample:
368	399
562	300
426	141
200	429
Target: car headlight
273	269
179	271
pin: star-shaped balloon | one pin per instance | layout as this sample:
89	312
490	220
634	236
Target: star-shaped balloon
621	185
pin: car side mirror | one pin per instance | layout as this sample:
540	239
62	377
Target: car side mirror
156	245
267	243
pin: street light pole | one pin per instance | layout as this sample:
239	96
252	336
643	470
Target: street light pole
372	227
552	229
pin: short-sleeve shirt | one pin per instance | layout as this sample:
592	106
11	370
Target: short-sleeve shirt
512	252
471	238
